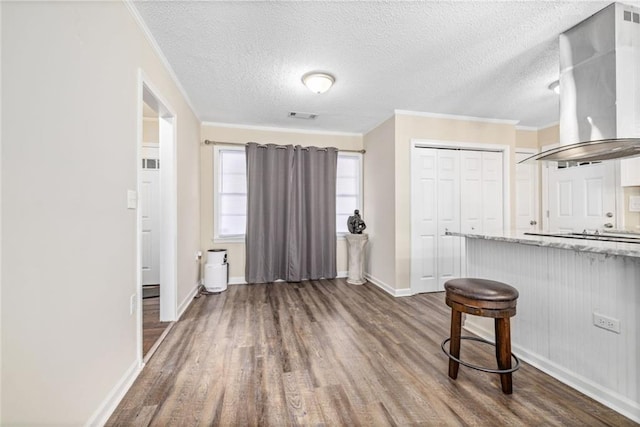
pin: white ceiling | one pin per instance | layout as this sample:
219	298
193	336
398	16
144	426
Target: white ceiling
241	62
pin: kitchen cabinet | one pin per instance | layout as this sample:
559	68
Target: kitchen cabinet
630	172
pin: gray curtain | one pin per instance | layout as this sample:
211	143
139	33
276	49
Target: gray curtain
291	213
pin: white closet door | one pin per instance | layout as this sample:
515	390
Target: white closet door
471	191
492	195
448	202
424	200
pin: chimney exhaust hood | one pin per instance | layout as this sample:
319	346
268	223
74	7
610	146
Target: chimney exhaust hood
599	88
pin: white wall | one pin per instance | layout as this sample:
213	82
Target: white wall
379	193
69	141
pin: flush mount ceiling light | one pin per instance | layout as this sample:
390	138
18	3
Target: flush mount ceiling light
318	82
555	86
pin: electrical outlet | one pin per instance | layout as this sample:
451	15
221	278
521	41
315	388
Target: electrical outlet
608	323
132	304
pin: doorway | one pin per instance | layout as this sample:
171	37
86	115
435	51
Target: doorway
157	219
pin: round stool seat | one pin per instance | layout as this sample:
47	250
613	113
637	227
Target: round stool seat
481	297
480	289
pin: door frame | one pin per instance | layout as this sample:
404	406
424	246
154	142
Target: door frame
417	143
148	92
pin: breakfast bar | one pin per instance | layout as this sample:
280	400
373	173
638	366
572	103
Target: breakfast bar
578	314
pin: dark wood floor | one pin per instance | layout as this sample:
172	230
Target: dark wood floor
329	353
152	327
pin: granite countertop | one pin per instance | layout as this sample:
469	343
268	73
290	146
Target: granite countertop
578	245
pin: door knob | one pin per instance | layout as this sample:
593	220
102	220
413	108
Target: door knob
533	222
608	225
609	214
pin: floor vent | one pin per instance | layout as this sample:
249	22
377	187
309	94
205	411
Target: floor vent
304	116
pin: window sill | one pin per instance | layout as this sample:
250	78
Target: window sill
234	239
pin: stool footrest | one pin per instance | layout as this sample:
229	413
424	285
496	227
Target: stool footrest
480	368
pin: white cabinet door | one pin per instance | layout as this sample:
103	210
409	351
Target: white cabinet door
630	172
150	212
582	197
424	226
526	194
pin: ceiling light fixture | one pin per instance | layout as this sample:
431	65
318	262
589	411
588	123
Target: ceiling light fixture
555	86
318	82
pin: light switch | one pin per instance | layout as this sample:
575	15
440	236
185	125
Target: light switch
132	199
634	203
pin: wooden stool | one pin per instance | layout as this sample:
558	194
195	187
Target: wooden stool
486	298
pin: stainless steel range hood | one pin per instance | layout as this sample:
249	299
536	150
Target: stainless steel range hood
599	88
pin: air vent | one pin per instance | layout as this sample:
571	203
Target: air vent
305	116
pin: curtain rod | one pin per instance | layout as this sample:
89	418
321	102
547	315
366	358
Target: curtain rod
210	142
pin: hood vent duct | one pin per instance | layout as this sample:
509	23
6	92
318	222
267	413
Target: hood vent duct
599	88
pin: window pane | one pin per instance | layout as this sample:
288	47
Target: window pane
233	161
346	186
232	225
348	166
234	183
341	223
346	204
233	205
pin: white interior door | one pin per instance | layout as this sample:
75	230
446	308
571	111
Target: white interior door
424	199
526	195
150	212
582	197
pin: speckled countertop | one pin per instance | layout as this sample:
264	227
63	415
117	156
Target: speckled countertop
578	245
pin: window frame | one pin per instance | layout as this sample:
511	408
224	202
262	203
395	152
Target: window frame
217	173
360	196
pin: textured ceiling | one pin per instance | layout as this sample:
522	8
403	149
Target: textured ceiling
241	62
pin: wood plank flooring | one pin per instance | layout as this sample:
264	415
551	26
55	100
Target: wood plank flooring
329	353
152	327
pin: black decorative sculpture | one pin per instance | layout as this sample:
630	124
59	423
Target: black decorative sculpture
355	224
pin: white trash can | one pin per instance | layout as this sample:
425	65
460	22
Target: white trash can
216	270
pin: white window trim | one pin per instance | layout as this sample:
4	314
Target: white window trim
217	168
216	196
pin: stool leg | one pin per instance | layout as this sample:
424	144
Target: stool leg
503	352
454	344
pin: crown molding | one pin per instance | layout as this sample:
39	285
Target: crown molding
455	117
279	129
154	45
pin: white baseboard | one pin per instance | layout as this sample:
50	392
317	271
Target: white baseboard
388	288
342	274
188	300
239	280
609	398
110	403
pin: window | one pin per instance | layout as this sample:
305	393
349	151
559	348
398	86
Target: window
230	198
230	195
348	188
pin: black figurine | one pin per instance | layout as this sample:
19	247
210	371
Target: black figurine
355	224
